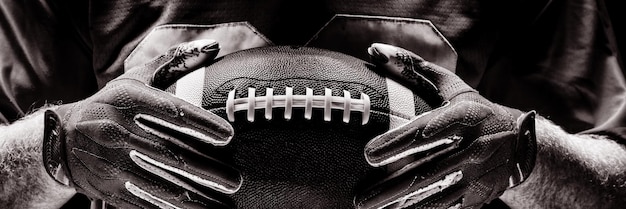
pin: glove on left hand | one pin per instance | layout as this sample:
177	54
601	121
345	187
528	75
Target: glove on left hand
136	146
461	155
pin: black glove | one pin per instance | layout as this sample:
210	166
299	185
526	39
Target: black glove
136	146
461	155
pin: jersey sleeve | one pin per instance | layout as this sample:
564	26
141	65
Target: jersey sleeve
615	125
43	58
565	65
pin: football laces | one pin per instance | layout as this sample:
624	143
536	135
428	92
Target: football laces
269	101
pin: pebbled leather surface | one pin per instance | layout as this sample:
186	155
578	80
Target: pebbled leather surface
298	163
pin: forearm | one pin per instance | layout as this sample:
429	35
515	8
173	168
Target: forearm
572	171
23	179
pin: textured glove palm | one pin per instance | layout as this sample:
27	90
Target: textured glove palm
136	146
461	155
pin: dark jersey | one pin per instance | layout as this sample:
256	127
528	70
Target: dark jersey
557	57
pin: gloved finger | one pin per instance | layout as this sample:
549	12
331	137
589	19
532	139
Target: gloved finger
472	174
124	199
175	63
189	120
164	195
406	190
114	174
428	135
451	198
161	158
166	116
413	69
189	167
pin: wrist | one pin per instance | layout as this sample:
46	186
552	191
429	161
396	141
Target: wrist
27	185
572	171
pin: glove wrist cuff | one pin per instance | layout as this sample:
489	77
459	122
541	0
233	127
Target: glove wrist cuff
54	156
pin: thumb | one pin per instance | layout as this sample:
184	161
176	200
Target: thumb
414	70
175	63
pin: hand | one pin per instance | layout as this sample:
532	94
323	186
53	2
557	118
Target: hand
462	154
136	146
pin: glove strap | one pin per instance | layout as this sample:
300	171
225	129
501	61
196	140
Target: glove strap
526	153
54	148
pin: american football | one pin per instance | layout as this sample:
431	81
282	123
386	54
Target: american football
302	117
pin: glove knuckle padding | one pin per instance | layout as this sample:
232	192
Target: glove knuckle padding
464	114
116	93
134	96
105	133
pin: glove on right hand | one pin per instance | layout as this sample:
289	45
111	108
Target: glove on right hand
460	155
136	146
